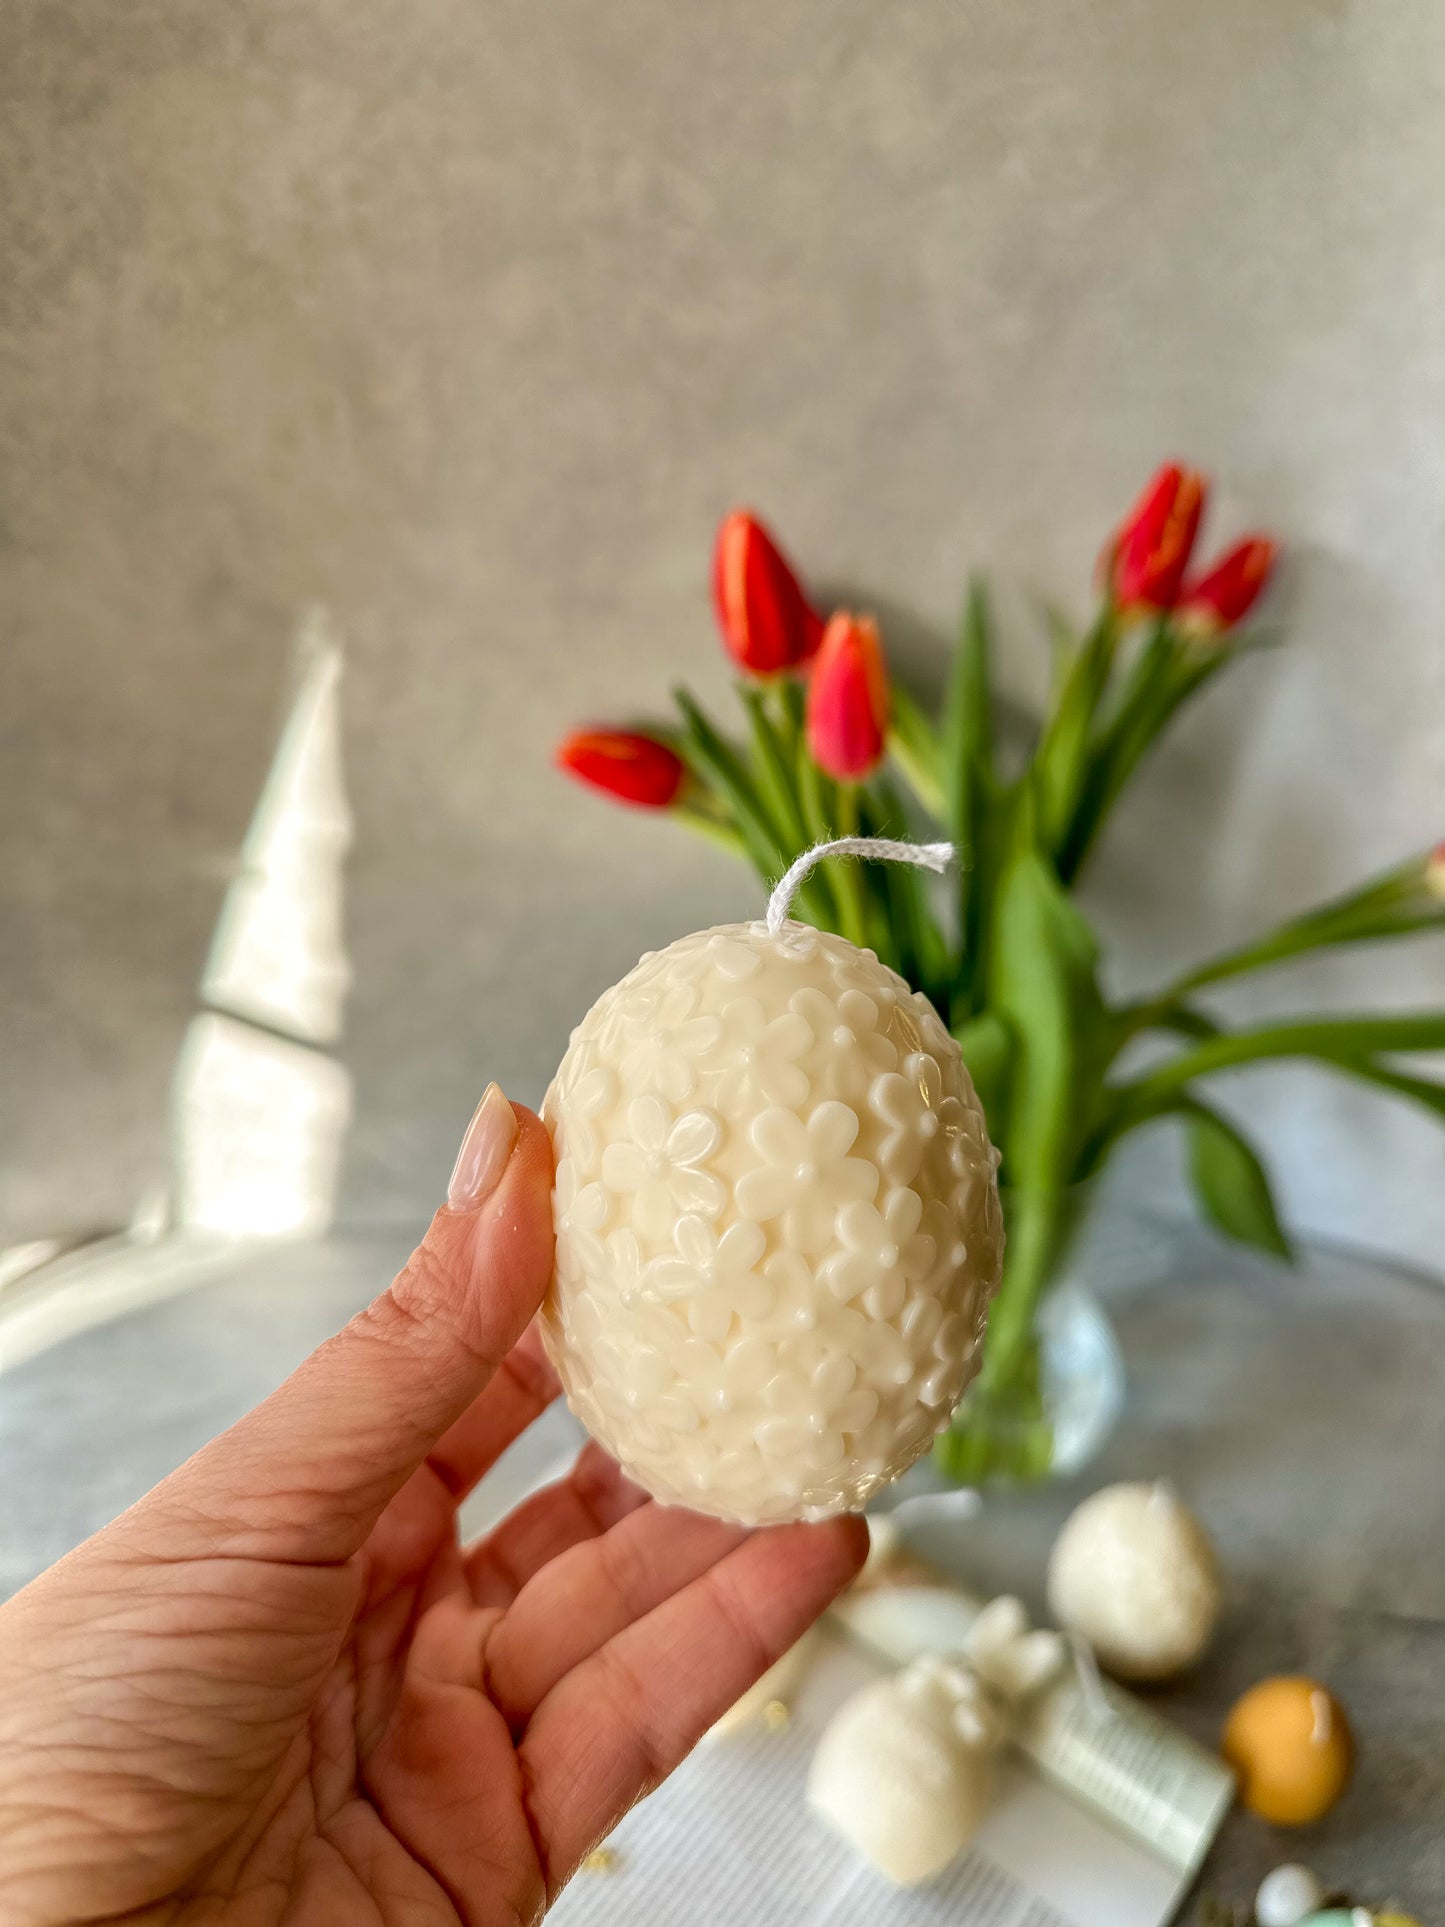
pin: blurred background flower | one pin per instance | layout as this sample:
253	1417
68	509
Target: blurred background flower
633	768
765	619
848	700
1014	967
1147	558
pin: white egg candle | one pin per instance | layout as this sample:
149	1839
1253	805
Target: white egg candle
1134	1574
778	1227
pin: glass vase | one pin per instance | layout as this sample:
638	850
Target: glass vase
1051	1386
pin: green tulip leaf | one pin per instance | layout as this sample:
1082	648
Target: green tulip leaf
913	744
1231	1184
966	743
1415	1090
1061	759
1045	985
987	1045
772	774
966	756
717	765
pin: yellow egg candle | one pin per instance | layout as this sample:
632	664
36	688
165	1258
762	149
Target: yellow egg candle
1289	1744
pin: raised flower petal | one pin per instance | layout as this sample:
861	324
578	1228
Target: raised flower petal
856	1178
902	1100
624	1256
859	1015
864	1229
808	1223
1146	560
925	1074
695	1241
740	1247
762	1063
656	1063
748	1294
623	764
847	719
595	1091
699	1191
672	1278
709	1316
695	1136
832	1130
902	1212
775	1060
893	1099
698	1036
766	621
764	1192
649	1121
778	1136
624	1167
579	1218
1224	596
816	1008
654	1209
848	1274
582	1207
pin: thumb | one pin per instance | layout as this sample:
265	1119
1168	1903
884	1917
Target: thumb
306	1475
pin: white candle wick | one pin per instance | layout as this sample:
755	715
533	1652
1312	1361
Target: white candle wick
883	849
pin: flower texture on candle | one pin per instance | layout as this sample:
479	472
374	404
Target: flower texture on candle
778	1226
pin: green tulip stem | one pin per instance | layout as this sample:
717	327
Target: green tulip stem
712	829
1343	1040
845	879
1390	906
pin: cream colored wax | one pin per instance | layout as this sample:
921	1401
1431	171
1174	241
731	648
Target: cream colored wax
778	1227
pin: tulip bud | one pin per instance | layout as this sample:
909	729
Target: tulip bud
848	699
1147	559
634	769
1435	872
767	622
1225	595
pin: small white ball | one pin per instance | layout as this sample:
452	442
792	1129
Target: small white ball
1134	1574
778	1225
1287	1896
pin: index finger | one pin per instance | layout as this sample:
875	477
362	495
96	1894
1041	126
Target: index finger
619	1723
305	1476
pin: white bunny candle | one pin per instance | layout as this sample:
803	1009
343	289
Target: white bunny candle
903	1771
778	1228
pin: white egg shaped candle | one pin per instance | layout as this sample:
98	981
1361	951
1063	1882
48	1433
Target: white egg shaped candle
778	1226
1133	1573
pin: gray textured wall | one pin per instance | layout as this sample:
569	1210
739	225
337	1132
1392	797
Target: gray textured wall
468	320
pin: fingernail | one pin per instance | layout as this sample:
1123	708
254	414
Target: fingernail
484	1153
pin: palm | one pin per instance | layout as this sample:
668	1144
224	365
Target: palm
421	1732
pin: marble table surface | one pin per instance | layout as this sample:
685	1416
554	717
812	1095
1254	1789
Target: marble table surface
1302	1413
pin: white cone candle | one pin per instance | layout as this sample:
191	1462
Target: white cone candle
778	1227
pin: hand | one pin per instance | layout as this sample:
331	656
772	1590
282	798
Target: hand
279	1688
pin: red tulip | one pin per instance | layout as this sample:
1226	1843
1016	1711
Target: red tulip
1225	595
1435	872
1146	561
767	622
848	699
635	769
